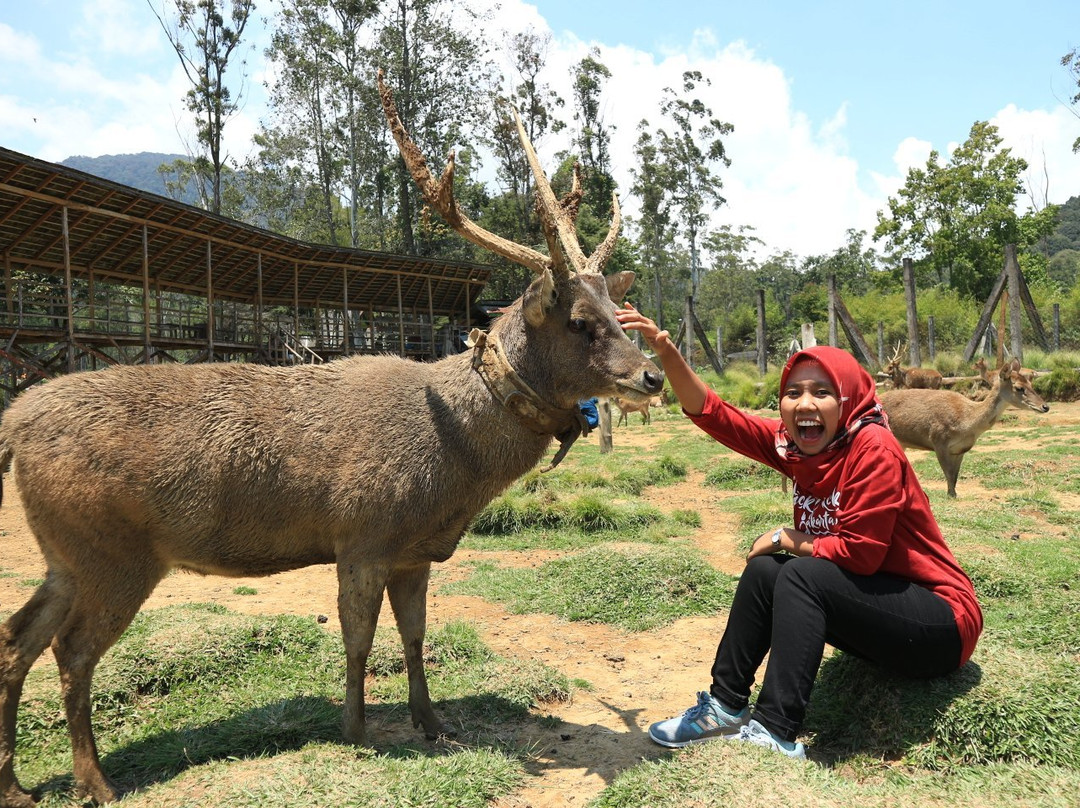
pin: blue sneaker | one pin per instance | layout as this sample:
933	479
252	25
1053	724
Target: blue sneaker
704	721
755	733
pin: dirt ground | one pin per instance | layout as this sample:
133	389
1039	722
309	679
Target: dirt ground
636	678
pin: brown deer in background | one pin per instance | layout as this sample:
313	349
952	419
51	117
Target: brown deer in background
908	378
375	463
948	423
627	406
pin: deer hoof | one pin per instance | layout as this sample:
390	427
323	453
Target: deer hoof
103	790
15	797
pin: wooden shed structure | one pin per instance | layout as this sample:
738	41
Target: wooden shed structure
97	272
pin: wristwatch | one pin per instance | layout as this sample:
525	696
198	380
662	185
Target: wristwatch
776	539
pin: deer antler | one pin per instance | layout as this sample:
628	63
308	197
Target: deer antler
557	218
568	208
440	194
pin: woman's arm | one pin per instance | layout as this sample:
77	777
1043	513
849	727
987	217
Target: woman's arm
790	541
687	385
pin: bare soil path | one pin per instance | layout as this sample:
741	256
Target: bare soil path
636	678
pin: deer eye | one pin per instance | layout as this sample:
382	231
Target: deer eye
579	326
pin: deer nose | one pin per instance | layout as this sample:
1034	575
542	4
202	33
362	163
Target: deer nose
654	382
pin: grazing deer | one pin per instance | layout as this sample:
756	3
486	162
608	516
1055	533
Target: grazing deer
909	378
627	406
376	463
948	423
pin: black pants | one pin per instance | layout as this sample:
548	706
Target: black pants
792	606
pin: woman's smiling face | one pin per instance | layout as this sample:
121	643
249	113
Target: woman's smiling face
810	407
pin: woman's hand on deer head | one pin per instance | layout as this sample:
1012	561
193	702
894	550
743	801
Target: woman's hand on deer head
633	320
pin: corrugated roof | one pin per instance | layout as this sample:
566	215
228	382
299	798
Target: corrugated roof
106	221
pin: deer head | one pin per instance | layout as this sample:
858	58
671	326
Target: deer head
562	332
1016	389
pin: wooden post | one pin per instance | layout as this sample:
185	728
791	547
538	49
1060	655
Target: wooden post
296	304
1001	328
67	291
7	286
761	359
1012	267
688	333
719	345
258	301
146	294
986	317
880	342
400	318
603	408
209	303
930	336
1057	327
345	351
912	316
431	318
833	336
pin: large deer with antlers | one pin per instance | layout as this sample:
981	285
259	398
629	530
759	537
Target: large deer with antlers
908	378
948	423
375	463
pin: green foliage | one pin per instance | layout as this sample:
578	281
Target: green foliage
514	512
961	214
635	590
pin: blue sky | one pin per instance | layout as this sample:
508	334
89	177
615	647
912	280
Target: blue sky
832	102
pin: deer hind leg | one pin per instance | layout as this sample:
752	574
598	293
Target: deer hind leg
408	597
22	639
107	599
360	592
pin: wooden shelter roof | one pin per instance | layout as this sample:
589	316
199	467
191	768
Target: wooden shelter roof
106	222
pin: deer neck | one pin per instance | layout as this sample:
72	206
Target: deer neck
516	396
994	405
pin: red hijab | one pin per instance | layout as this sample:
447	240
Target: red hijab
859	406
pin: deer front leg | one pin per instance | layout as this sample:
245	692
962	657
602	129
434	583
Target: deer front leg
360	592
950	465
408	597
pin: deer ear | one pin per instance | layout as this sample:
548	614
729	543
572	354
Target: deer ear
539	299
618	285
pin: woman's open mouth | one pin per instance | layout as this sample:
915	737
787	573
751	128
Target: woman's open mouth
810	430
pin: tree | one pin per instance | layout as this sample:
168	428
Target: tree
437	67
1071	62
731	276
512	213
317	98
690	151
205	42
959	215
655	232
593	137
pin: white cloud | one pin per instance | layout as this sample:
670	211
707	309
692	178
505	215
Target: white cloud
1044	139
119	27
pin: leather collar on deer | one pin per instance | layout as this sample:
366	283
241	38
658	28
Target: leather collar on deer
489	360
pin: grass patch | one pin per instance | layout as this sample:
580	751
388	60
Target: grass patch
245	590
757	513
636	591
1007	706
738	473
719	775
191	691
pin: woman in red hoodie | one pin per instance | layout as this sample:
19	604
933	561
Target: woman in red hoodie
863	568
